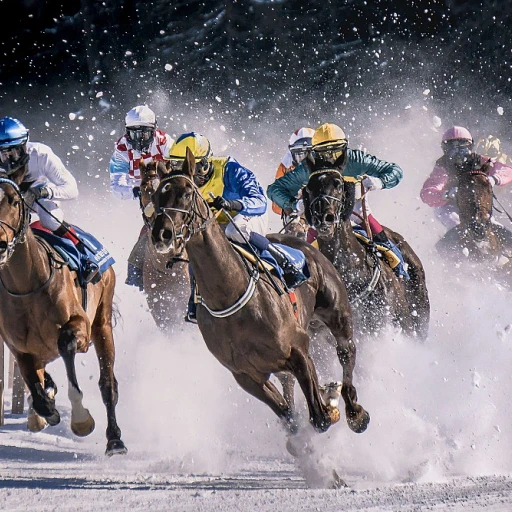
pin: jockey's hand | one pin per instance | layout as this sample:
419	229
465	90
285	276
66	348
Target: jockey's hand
291	218
450	193
492	180
372	183
299	207
219	203
136	192
41	191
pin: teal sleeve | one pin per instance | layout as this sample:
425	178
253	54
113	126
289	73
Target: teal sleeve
360	163
284	190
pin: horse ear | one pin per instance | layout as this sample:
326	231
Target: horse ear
163	168
189	165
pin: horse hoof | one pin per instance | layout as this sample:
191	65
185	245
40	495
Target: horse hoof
337	481
334	414
53	419
36	423
358	423
115	447
83	428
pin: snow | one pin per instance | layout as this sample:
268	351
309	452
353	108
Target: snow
439	436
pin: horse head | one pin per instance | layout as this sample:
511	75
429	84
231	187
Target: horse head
180	210
474	199
328	200
13	217
150	179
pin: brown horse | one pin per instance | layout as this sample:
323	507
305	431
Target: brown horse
42	318
476	238
378	296
251	328
166	281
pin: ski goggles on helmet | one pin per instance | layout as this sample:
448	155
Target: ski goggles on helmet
456	145
12	154
202	166
330	152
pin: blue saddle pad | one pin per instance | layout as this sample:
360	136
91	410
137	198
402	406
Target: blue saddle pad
91	250
296	257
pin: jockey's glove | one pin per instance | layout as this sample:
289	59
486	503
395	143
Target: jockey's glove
450	193
219	203
299	207
372	183
41	192
136	192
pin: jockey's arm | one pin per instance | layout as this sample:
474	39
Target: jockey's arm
502	173
432	192
284	190
61	182
121	183
242	185
363	163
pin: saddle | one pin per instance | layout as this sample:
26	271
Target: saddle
78	258
391	258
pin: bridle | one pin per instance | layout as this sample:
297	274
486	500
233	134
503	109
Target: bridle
20	230
321	200
195	221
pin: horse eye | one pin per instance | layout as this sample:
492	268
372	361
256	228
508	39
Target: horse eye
187	196
338	184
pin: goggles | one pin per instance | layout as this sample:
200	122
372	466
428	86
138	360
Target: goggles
202	166
330	152
457	144
299	154
12	154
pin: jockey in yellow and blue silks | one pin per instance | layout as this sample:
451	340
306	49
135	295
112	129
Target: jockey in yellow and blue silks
228	185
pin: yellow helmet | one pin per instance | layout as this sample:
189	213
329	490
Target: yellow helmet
328	134
197	143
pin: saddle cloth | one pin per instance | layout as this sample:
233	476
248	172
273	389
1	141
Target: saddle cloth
296	257
91	250
385	249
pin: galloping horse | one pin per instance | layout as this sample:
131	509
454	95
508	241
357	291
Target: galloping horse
378	296
166	283
42	318
251	328
476	238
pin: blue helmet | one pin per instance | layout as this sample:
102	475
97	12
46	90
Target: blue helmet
13	140
12	133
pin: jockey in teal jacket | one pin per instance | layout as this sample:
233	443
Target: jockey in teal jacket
330	151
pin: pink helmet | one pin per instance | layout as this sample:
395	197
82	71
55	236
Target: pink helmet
457	132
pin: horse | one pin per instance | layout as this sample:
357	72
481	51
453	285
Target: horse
377	295
166	283
475	238
42	317
247	321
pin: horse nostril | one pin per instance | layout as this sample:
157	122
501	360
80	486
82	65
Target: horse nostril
3	245
329	218
165	234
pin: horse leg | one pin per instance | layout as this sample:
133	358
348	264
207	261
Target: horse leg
303	369
36	423
105	350
265	391
70	335
288	384
33	375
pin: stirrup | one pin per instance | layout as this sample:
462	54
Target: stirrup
191	318
90	272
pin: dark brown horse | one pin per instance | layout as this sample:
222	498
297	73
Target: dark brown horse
251	328
476	238
42	318
378	296
166	282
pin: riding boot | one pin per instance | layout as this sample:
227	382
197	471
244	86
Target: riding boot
292	275
191	306
134	277
400	269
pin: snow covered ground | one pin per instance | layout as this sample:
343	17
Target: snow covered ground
439	436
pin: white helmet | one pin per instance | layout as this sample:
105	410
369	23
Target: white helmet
140	116
140	127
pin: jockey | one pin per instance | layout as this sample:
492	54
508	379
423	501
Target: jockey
330	151
439	190
141	141
228	185
46	181
298	148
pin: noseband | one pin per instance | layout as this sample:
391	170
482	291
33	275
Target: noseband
21	229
